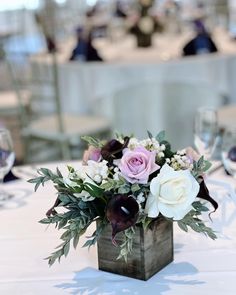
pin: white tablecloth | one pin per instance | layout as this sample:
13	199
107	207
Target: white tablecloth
201	266
83	84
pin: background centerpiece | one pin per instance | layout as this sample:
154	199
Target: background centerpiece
145	24
134	190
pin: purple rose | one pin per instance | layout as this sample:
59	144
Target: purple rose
93	154
137	165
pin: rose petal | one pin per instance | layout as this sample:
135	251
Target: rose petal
137	165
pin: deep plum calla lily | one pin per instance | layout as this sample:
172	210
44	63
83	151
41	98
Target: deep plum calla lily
113	149
122	212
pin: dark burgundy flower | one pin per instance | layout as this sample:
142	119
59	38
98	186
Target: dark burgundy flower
122	212
205	195
113	149
52	211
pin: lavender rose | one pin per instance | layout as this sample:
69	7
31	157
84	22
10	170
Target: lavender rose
137	165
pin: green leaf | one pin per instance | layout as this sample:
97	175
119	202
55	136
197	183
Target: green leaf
149	134
94	190
76	239
200	167
64	199
66	249
96	235
62	223
66	235
200	161
183	226
135	187
146	222
45	221
36	186
127	244
191	220
195	227
92	141
199	206
125	189
35	180
70	169
212	235
161	136
88	243
59	173
113	184
45	171
207	166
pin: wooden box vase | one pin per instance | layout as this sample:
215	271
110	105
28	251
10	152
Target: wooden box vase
152	251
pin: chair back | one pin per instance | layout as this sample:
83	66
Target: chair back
43	86
159	106
18	74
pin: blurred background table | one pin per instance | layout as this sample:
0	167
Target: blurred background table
96	87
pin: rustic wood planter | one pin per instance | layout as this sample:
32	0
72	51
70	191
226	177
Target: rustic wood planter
144	40
152	251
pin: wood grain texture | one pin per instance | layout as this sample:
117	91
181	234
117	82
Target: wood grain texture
152	251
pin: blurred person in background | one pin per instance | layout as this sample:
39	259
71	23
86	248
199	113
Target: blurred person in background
46	18
120	9
84	49
202	43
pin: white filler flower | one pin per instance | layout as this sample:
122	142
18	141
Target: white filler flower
172	193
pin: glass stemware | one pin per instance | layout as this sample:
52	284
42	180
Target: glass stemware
205	131
7	158
229	151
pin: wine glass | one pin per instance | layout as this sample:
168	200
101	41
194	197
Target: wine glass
7	158
229	151
205	131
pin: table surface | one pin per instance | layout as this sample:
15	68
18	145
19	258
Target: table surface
201	266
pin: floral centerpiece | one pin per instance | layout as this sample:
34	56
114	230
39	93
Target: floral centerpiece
127	184
144	24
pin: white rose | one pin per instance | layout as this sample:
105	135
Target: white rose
172	193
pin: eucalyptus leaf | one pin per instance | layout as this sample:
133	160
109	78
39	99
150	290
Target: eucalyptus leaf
124	189
183	226
92	141
149	134
161	136
135	187
76	239
66	249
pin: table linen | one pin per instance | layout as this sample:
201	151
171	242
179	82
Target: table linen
201	266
